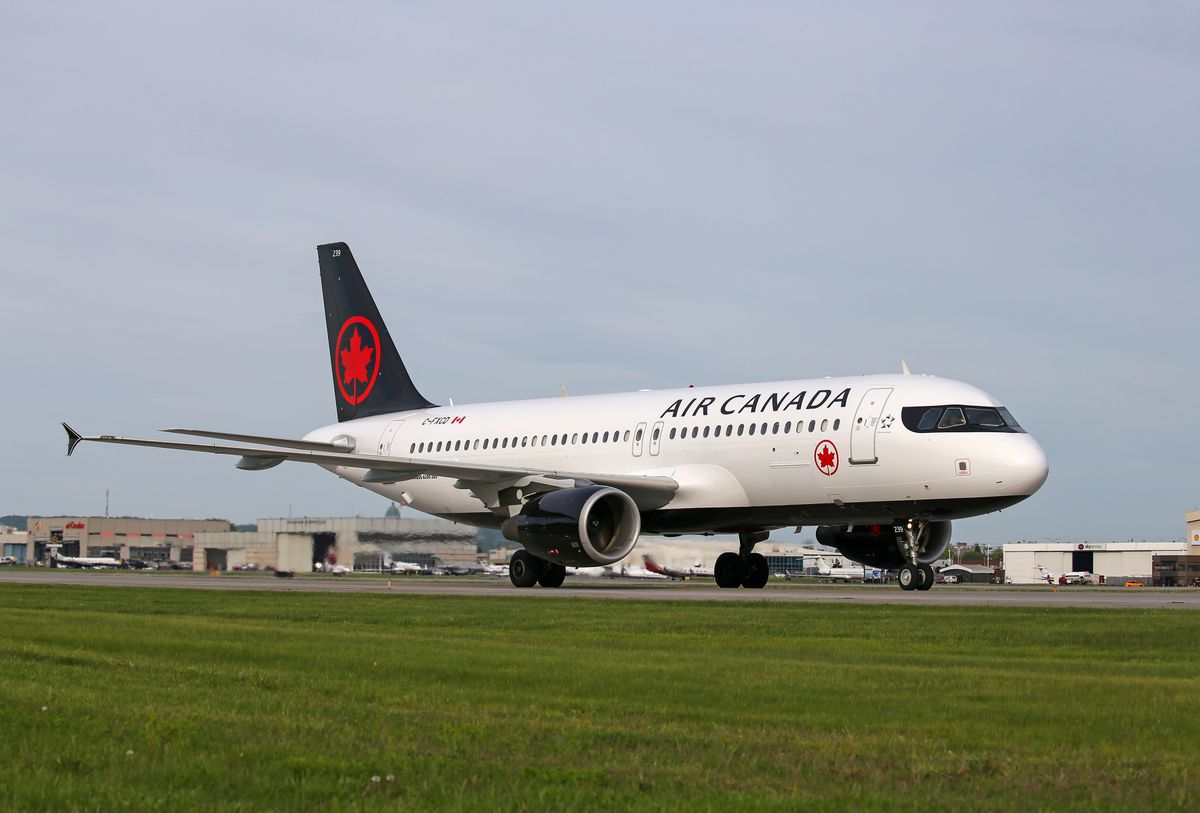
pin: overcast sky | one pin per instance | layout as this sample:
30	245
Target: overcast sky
612	197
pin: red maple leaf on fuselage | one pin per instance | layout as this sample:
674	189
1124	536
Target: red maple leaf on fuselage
355	360
825	458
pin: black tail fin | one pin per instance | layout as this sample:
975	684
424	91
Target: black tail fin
368	376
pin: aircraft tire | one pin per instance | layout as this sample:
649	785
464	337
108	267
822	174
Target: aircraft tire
927	578
524	569
728	570
757	572
553	575
909	577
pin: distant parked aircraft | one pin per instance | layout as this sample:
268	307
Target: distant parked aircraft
683	574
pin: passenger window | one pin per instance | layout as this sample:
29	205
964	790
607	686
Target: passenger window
751	429
836	423
787	427
595	437
706	431
775	428
671	435
824	424
695	432
524	441
626	436
485	444
812	426
638	437
951	418
574	438
554	440
717	431
544	439
654	434
729	431
741	428
929	419
583	438
439	448
763	429
606	435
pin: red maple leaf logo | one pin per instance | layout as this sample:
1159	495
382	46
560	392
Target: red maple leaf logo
827	458
355	361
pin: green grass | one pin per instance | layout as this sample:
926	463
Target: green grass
182	699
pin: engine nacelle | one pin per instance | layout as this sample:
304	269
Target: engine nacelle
581	527
881	545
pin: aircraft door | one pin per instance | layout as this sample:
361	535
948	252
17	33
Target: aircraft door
638	436
389	434
656	438
866	421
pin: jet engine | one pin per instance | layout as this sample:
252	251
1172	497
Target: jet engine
581	527
882	546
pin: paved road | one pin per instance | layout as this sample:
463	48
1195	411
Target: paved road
583	587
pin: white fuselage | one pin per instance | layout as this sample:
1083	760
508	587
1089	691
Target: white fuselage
804	452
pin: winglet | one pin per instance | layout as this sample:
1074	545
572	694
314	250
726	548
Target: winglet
73	438
904	367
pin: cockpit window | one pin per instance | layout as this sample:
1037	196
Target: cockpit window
958	418
929	419
1009	420
952	417
989	418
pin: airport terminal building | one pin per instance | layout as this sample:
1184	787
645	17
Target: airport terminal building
297	544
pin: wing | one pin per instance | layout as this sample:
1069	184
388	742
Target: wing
486	481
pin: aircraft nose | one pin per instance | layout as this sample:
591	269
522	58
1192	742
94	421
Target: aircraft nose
1020	464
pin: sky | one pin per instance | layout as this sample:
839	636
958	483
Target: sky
611	197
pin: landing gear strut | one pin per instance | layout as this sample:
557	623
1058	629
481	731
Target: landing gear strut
914	575
744	568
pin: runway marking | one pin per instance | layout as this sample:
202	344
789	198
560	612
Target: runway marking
983	596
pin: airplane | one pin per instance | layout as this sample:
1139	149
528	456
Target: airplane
1071	577
86	562
693	572
839	572
880	464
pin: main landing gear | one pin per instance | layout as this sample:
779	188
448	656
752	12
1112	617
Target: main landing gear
914	575
526	570
744	568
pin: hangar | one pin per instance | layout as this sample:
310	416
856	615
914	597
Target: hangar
1028	562
361	543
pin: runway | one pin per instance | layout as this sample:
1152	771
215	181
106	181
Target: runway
596	588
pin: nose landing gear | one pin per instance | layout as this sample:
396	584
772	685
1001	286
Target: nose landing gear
914	575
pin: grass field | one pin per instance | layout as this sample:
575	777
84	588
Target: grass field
133	698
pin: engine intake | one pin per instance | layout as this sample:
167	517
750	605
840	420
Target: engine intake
581	527
881	546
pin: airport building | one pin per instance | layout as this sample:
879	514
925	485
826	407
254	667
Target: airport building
360	543
14	545
151	540
1030	562
363	543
